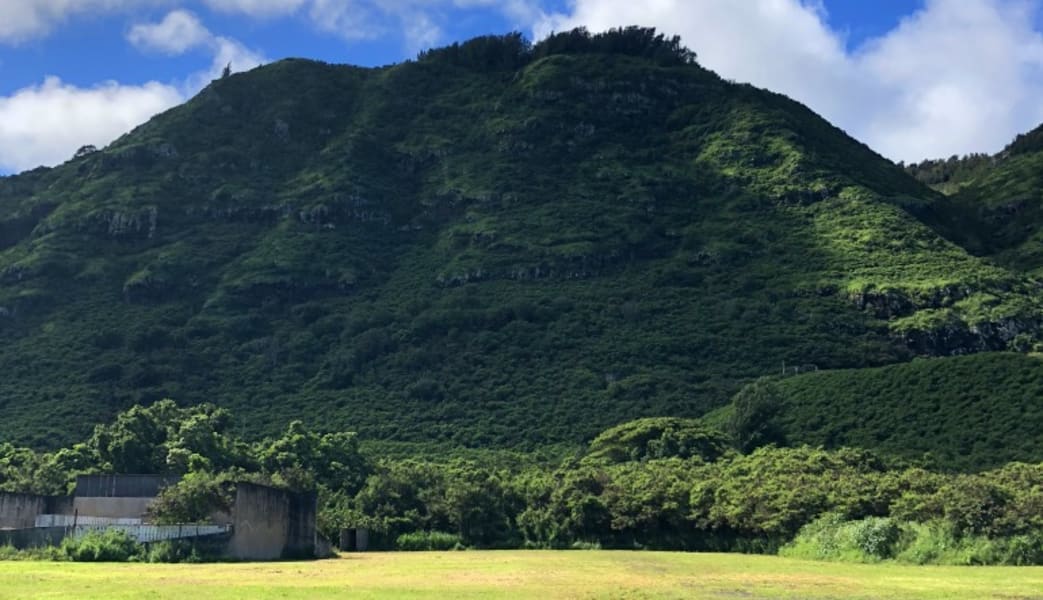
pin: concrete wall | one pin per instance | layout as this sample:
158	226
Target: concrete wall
59	505
37	537
122	486
259	521
269	523
300	530
18	511
112	508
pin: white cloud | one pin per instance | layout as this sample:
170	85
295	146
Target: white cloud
181	31
177	33
421	23
46	123
958	76
21	20
349	19
523	12
961	76
227	52
355	20
257	8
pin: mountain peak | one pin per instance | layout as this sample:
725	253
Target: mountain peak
496	244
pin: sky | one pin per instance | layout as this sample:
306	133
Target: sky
913	79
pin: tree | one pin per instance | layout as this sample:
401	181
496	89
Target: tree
192	500
753	420
658	437
164	438
303	459
85	151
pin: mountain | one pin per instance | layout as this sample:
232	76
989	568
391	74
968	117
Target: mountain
496	244
996	202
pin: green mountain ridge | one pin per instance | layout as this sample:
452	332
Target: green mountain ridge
995	202
495	245
962	413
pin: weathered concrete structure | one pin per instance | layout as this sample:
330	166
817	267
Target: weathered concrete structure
19	511
117	496
265	523
354	540
269	523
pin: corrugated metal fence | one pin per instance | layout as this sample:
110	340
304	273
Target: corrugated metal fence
71	520
36	537
145	534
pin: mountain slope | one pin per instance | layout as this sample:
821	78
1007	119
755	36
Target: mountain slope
492	245
996	204
966	413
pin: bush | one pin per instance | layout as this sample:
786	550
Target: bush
177	551
44	553
817	540
937	543
428	540
876	536
109	545
830	537
1021	550
934	543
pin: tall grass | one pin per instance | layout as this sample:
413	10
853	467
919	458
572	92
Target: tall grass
875	539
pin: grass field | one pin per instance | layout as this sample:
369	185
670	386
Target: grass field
519	574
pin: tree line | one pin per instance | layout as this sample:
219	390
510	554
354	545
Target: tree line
655	483
513	51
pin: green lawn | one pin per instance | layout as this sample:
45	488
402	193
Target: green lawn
520	574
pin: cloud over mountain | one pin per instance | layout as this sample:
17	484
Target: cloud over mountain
957	76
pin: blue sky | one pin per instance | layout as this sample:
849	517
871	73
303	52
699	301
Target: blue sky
87	49
912	78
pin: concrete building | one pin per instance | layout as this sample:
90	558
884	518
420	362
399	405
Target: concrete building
265	523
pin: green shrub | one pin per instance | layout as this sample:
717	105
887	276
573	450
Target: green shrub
428	540
818	540
938	543
45	553
928	543
109	545
173	551
1021	550
875	536
933	543
830	537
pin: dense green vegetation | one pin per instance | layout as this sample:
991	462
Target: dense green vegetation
654	483
942	413
995	202
494	245
950	174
